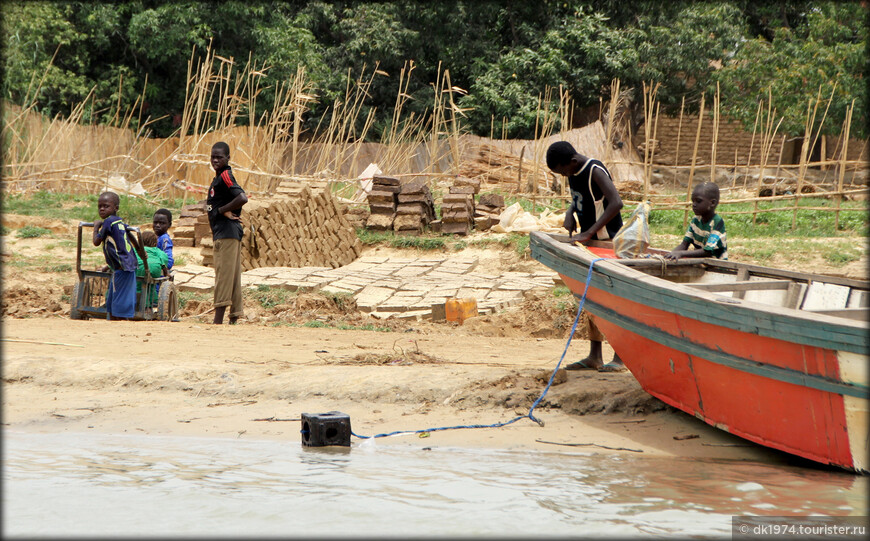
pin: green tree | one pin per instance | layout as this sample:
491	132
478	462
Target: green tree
826	56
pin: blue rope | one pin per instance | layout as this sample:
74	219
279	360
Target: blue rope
538	401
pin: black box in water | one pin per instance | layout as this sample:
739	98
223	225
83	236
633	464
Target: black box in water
322	429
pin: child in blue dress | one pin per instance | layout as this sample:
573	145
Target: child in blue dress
111	232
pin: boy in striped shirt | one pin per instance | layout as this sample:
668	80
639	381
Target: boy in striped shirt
706	232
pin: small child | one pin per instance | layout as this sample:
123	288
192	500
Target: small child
156	261
706	231
161	222
111	232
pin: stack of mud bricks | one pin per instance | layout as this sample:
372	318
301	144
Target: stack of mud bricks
307	229
415	209
187	229
357	216
489	208
457	208
383	200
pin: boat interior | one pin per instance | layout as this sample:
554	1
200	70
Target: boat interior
818	293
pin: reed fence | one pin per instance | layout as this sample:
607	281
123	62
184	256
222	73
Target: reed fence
64	154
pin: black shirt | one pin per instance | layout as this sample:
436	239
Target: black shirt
223	189
583	200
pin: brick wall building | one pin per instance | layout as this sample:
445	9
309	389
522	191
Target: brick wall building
734	140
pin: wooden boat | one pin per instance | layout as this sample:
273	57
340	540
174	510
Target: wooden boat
774	356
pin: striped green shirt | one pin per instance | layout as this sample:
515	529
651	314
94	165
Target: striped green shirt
710	236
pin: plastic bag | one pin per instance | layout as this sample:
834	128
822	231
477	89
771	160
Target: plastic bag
632	239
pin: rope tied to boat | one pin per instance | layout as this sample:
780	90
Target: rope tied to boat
530	414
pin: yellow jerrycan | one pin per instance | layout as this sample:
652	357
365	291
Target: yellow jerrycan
459	310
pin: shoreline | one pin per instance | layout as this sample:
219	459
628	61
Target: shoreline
385	382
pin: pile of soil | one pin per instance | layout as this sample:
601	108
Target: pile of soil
23	301
540	315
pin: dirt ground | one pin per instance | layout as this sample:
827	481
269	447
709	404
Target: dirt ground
253	380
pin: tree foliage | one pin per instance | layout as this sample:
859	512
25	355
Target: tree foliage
506	55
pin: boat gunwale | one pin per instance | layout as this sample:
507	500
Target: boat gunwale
720	310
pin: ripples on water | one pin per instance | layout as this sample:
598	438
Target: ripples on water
92	484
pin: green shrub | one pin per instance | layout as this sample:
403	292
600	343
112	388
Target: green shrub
32	231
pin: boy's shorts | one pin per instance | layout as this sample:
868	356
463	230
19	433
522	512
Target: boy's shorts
121	295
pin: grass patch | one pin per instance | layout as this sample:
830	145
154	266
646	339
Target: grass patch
344	301
808	223
59	268
186	296
315	324
32	231
83	206
367	327
840	255
561	291
388	238
269	297
4	230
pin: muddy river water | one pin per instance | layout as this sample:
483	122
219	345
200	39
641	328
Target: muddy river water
77	484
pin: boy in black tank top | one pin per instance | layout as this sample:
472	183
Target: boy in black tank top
590	184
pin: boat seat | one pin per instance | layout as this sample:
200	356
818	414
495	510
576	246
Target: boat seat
744	285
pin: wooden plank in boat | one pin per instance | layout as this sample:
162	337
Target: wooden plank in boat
747	285
861	314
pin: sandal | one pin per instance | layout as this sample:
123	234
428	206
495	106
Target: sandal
581	365
613	367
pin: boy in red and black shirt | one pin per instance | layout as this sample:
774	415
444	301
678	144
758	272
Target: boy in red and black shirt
224	206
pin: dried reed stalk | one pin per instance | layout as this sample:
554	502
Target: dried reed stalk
694	161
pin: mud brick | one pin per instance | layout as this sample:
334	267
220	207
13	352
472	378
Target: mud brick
457	217
465	181
383	209
457	198
460	228
380	222
201	230
381	195
415	186
407	221
411	208
189	221
386	181
185	242
414	198
462	189
435	225
184	232
439	312
455	207
390	189
483	223
491	199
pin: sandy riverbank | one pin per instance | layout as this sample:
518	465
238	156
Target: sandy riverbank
250	381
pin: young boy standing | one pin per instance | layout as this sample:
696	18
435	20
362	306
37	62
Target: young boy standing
224	206
111	232
160	223
706	232
590	183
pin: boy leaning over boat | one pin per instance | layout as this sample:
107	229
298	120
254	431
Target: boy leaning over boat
597	203
706	232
